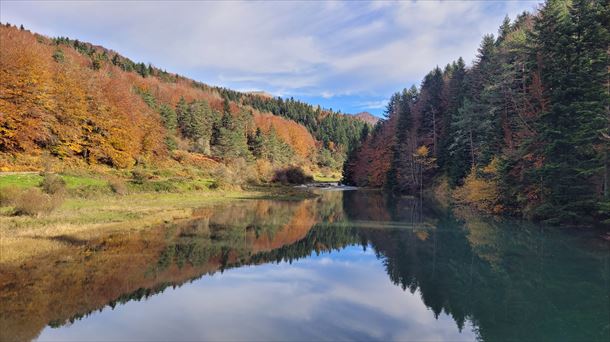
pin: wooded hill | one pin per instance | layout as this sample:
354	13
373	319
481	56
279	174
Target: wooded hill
524	130
86	105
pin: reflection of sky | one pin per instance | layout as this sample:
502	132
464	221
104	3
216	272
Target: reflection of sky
343	295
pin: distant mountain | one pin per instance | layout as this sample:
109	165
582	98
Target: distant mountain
260	93
367	117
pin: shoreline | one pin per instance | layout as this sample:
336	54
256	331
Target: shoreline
81	219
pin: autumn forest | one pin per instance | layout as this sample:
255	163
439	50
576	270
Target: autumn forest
305	170
523	131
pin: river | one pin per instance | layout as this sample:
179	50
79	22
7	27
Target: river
347	265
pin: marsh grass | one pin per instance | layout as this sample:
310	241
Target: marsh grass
86	218
92	206
34	202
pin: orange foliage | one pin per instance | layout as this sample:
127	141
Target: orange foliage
69	109
86	116
295	135
374	157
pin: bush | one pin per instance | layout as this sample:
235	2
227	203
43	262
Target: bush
264	170
481	191
158	186
139	176
225	177
292	175
118	186
8	195
34	202
53	184
234	175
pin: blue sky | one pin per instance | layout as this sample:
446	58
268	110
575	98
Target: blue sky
349	56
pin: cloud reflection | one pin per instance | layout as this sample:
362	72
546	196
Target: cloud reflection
342	295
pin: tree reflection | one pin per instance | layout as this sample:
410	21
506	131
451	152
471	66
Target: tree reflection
512	281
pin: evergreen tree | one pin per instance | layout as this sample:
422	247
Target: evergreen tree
182	115
452	157
256	144
231	140
573	47
431	109
402	151
168	115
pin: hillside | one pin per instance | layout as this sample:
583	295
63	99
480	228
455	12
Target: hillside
367	117
81	105
523	131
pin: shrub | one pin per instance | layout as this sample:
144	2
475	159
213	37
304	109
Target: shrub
53	184
118	186
224	178
292	175
481	191
58	56
158	186
233	175
8	195
34	202
264	170
139	176
163	186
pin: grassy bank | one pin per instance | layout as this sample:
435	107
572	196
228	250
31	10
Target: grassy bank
91	208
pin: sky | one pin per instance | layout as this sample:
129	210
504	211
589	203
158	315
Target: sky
348	56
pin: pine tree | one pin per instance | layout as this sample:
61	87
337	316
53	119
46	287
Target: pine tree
452	157
256	144
231	137
573	48
168	115
402	149
183	116
431	109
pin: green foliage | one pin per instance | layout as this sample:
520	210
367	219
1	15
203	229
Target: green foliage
400	105
169	117
535	102
270	147
231	136
58	56
325	125
573	47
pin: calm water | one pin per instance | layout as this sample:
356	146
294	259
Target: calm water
345	266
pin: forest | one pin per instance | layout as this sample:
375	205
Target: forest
77	105
523	131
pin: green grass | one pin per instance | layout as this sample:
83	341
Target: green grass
73	182
82	184
30	180
27	180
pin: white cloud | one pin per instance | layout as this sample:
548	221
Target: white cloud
379	104
282	47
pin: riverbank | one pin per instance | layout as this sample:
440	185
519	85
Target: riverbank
91	208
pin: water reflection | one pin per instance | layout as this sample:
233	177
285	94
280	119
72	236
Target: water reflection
318	269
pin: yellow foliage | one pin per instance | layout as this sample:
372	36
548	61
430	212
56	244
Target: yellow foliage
481	192
422	151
